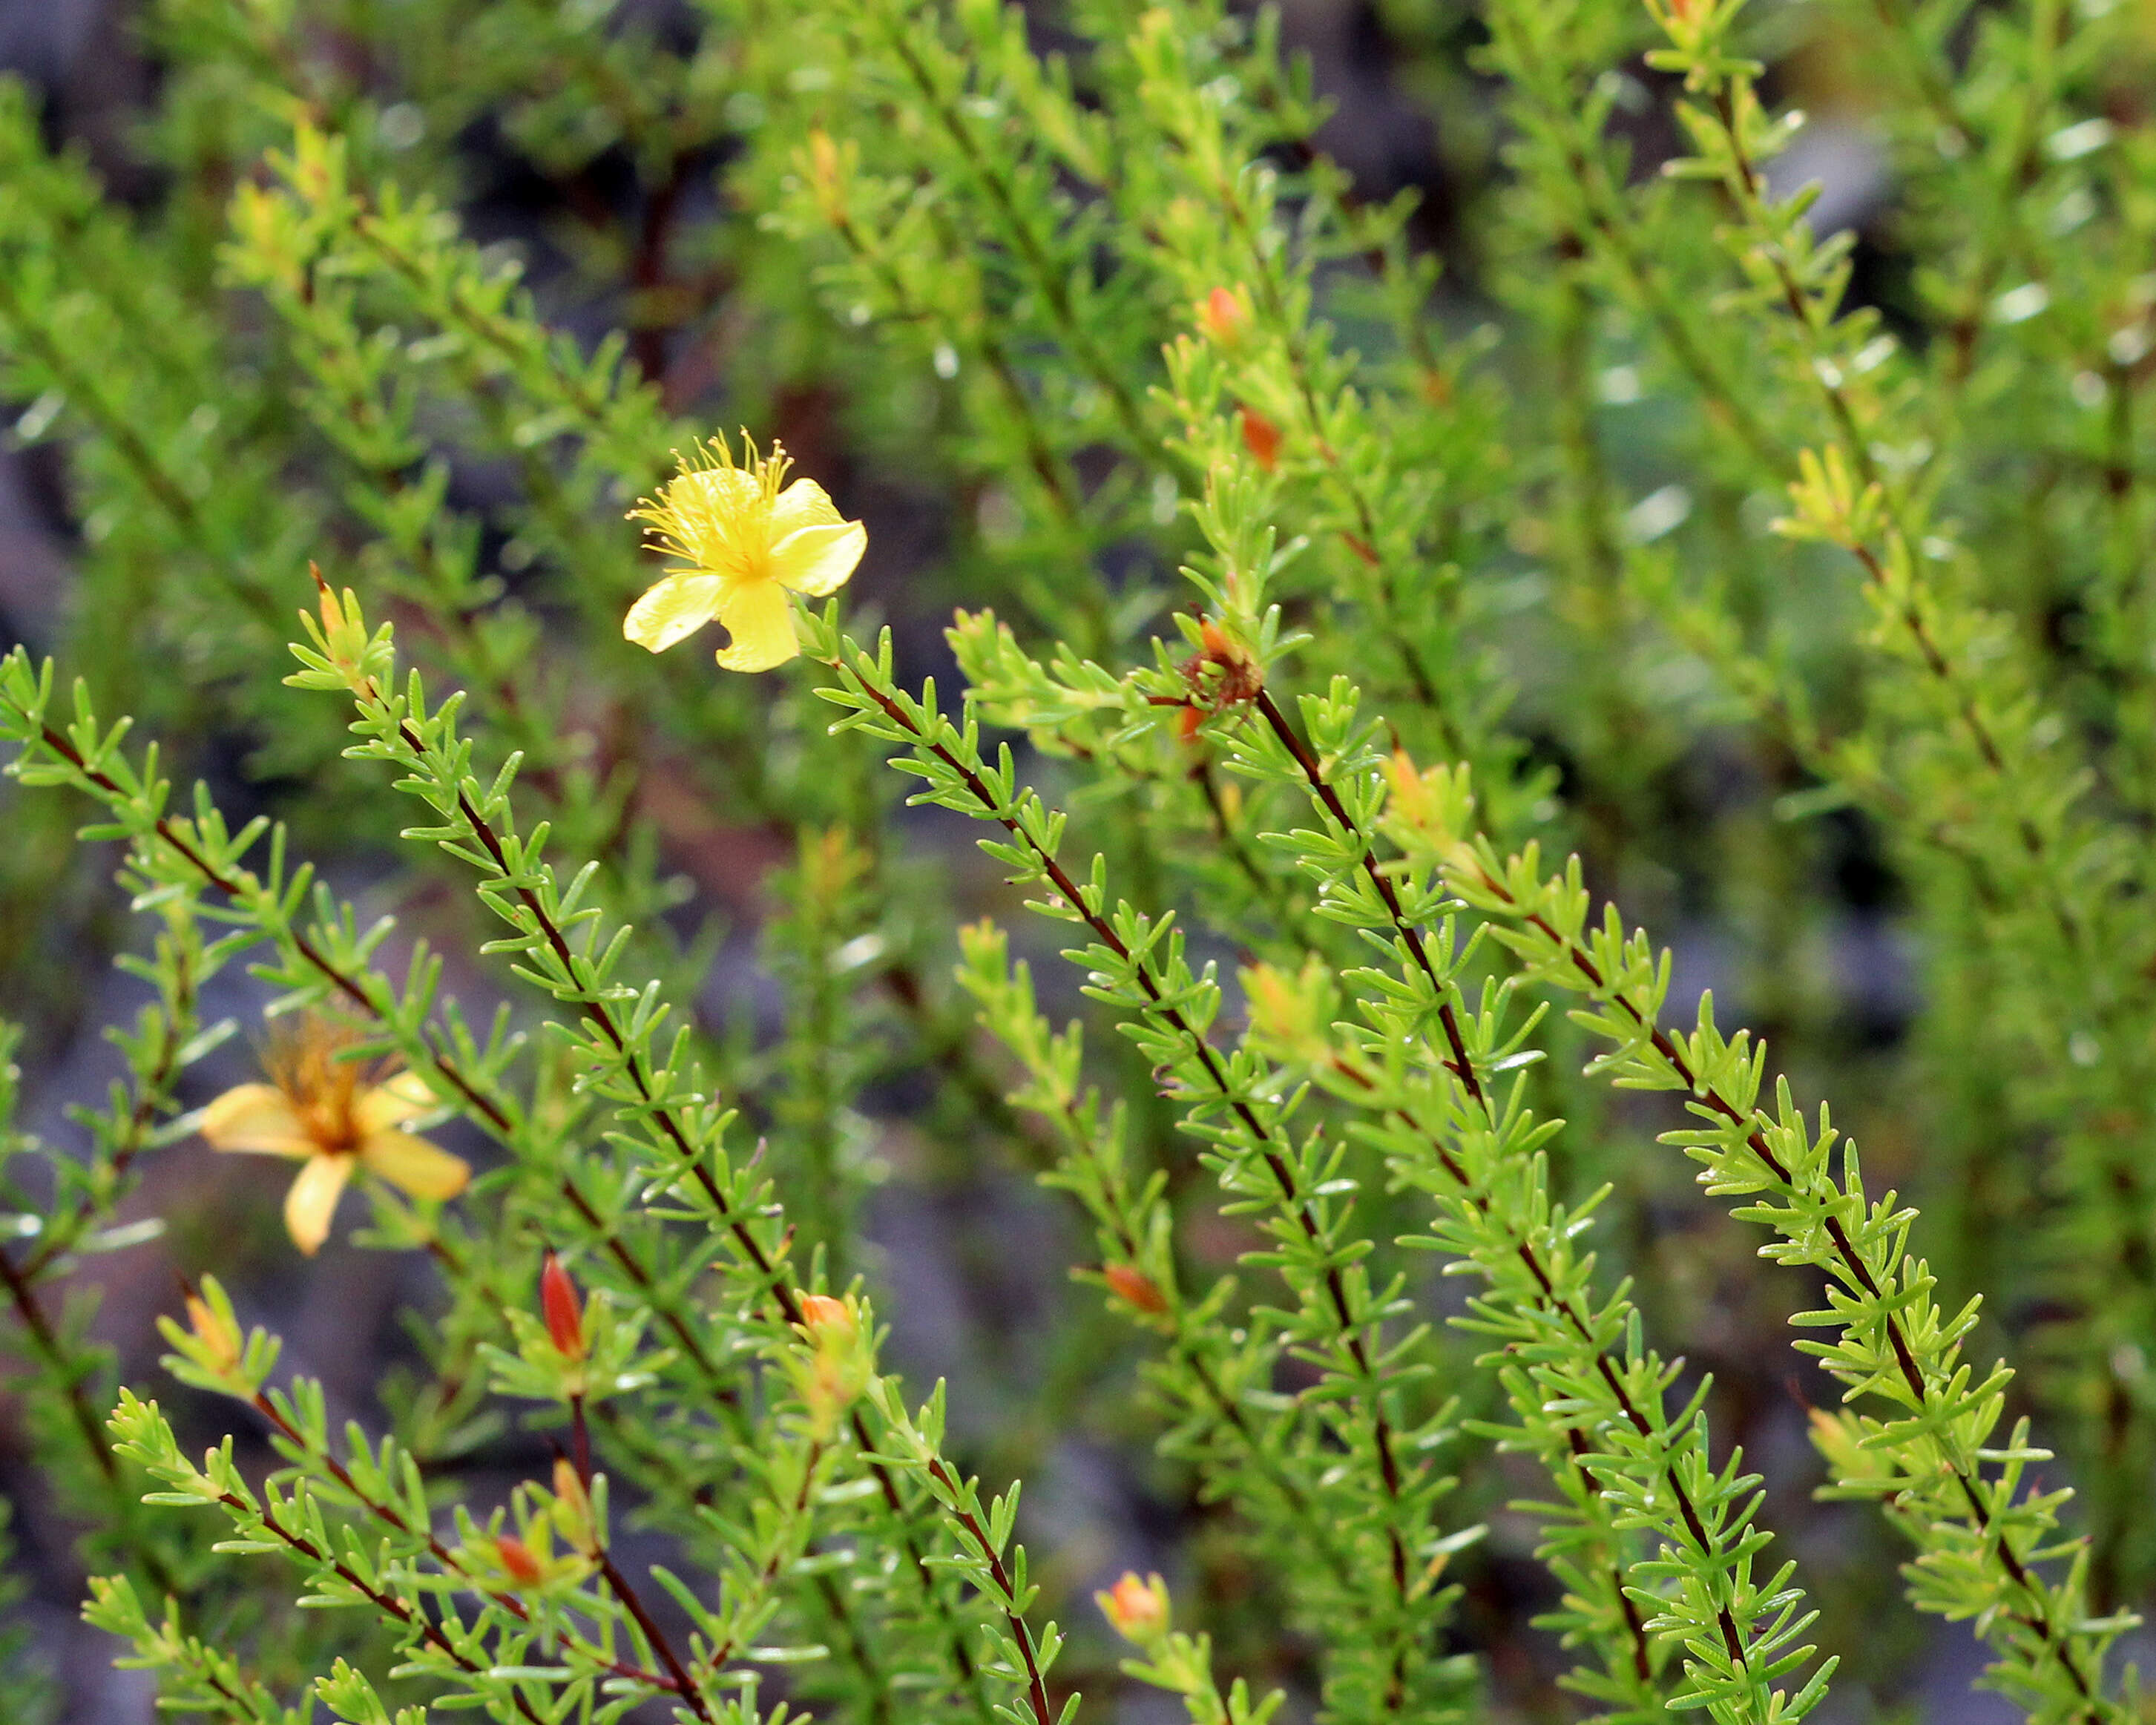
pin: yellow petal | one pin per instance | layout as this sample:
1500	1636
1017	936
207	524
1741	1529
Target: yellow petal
761	624
391	1103
817	561
257	1118
416	1166
680	605
802	504
313	1200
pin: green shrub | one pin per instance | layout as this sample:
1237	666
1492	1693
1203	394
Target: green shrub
1308	602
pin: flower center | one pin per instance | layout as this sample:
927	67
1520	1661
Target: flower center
329	1124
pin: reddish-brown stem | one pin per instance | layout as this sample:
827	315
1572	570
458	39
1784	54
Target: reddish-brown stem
678	1681
1229	1411
1013	1619
496	1116
386	1513
154	1095
580	1436
499	1120
1463	1068
48	1343
236	888
725	1650
1276	1157
448	1559
1361	539
1460	1064
410	1615
1852	1266
60	1234
767	1269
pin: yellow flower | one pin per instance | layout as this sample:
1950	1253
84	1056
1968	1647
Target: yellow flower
333	1115
746	541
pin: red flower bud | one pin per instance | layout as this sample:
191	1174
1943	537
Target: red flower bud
1136	1286
1223	316
1262	439
517	1559
558	1300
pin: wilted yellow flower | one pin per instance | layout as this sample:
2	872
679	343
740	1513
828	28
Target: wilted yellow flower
746	541
333	1115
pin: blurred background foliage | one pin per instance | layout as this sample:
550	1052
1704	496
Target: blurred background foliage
429	291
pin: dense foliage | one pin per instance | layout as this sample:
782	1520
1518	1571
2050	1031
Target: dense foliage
1423	671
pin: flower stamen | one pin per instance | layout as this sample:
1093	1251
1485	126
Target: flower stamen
748	538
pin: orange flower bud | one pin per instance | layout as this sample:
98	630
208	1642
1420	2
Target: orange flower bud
1136	1610
1223	316
820	1312
572	1507
517	1559
223	1338
841	1361
558	1300
1262	439
1187	723
1135	1285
